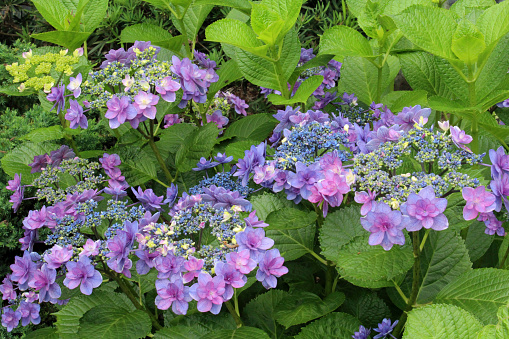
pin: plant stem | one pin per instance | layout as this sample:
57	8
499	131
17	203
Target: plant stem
280	78
423	242
159	158
329	282
379	84
236	302
234	314
403	296
504	258
416	282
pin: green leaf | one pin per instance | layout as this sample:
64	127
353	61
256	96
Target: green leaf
266	203
43	333
242	5
260	311
289	218
239	333
288	10
441	322
197	144
144	32
235	33
53	11
422	73
68	318
18	159
166	4
494	23
147	282
302	94
181	332
467	42
228	72
237	149
446	105
171	139
398	100
463	7
108	321
293	244
477	242
339	229
45	134
320	60
363	264
430	28
502	328
494	71
267	24
443	259
334	325
139	169
252	127
93	14
394	7
70	40
367	307
481	291
343	41
12	90
360	76
301	307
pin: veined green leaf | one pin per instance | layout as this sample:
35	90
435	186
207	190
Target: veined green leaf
342	41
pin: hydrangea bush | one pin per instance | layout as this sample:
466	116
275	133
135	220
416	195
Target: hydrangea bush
349	211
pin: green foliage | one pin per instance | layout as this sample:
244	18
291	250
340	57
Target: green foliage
334	325
260	311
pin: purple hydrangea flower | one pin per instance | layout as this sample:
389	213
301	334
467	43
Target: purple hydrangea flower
411	115
23	270
171	195
384	328
193	267
168	266
254	240
191	75
478	201
325	100
255	156
40	162
252	220
119	247
203	61
239	104
208	292
148	199
146	261
363	333
61	154
500	162
44	282
385	226
500	188
204	164
7	289
172	293
284	118
118	55
14	184
10	319
167	88
493	225
424	210
110	162
232	278
384	134
304	178
75	115
29	313
116	188
75	85
270	268
218	118
143	45
58	256
348	99
306	55
171	119
27	241
82	273
57	95
460	138
242	261
91	248
17	198
367	199
145	103
119	111
222	158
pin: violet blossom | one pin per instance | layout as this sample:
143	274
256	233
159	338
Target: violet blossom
118	55
7	289
169	266
218	118
270	268
146	261
148	199
208	292
460	138
193	267
14	184
58	256
171	119
75	85
424	210
205	164
172	293
493	225
409	116
253	157
284	118
367	199
499	161
252	220
82	273
44	282
171	195
120	111
254	240
241	260
232	278
167	88
385	225
61	154
40	162
145	104
500	188
23	270
118	254
29	313
91	248
57	95
478	201
75	115
10	319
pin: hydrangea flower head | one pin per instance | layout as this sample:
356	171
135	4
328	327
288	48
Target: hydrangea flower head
145	103
254	240
385	226
57	95
460	138
23	270
167	88
29	313
208	292
75	85
82	273
478	201
424	210
58	256
409	116
120	111
499	161
172	293
270	268
10	319
75	115
44	282
148	199
385	328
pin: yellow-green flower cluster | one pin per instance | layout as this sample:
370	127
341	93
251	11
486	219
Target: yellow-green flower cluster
35	72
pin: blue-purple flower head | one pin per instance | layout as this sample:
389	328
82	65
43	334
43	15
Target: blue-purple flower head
255	156
385	225
57	96
409	116
424	210
205	164
75	115
148	199
385	328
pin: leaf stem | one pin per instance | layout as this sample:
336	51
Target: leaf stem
504	258
401	293
423	242
159	158
234	314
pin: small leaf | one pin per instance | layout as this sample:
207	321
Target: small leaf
342	41
494	22
467	42
441	322
334	325
253	127
301	307
302	94
67	39
289	218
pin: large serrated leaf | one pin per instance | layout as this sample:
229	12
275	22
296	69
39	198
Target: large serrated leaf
68	318
172	137
145	32
45	134
302	94
398	100
290	218
342	41
301	307
294	244
443	259
236	33
260	311
140	169
480	291
441	322
366	306
430	28
253	127
108	321
197	144
477	242
239	333
43	333
339	229
266	203
334	325
494	22
70	40
53	11
360	261
181	332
